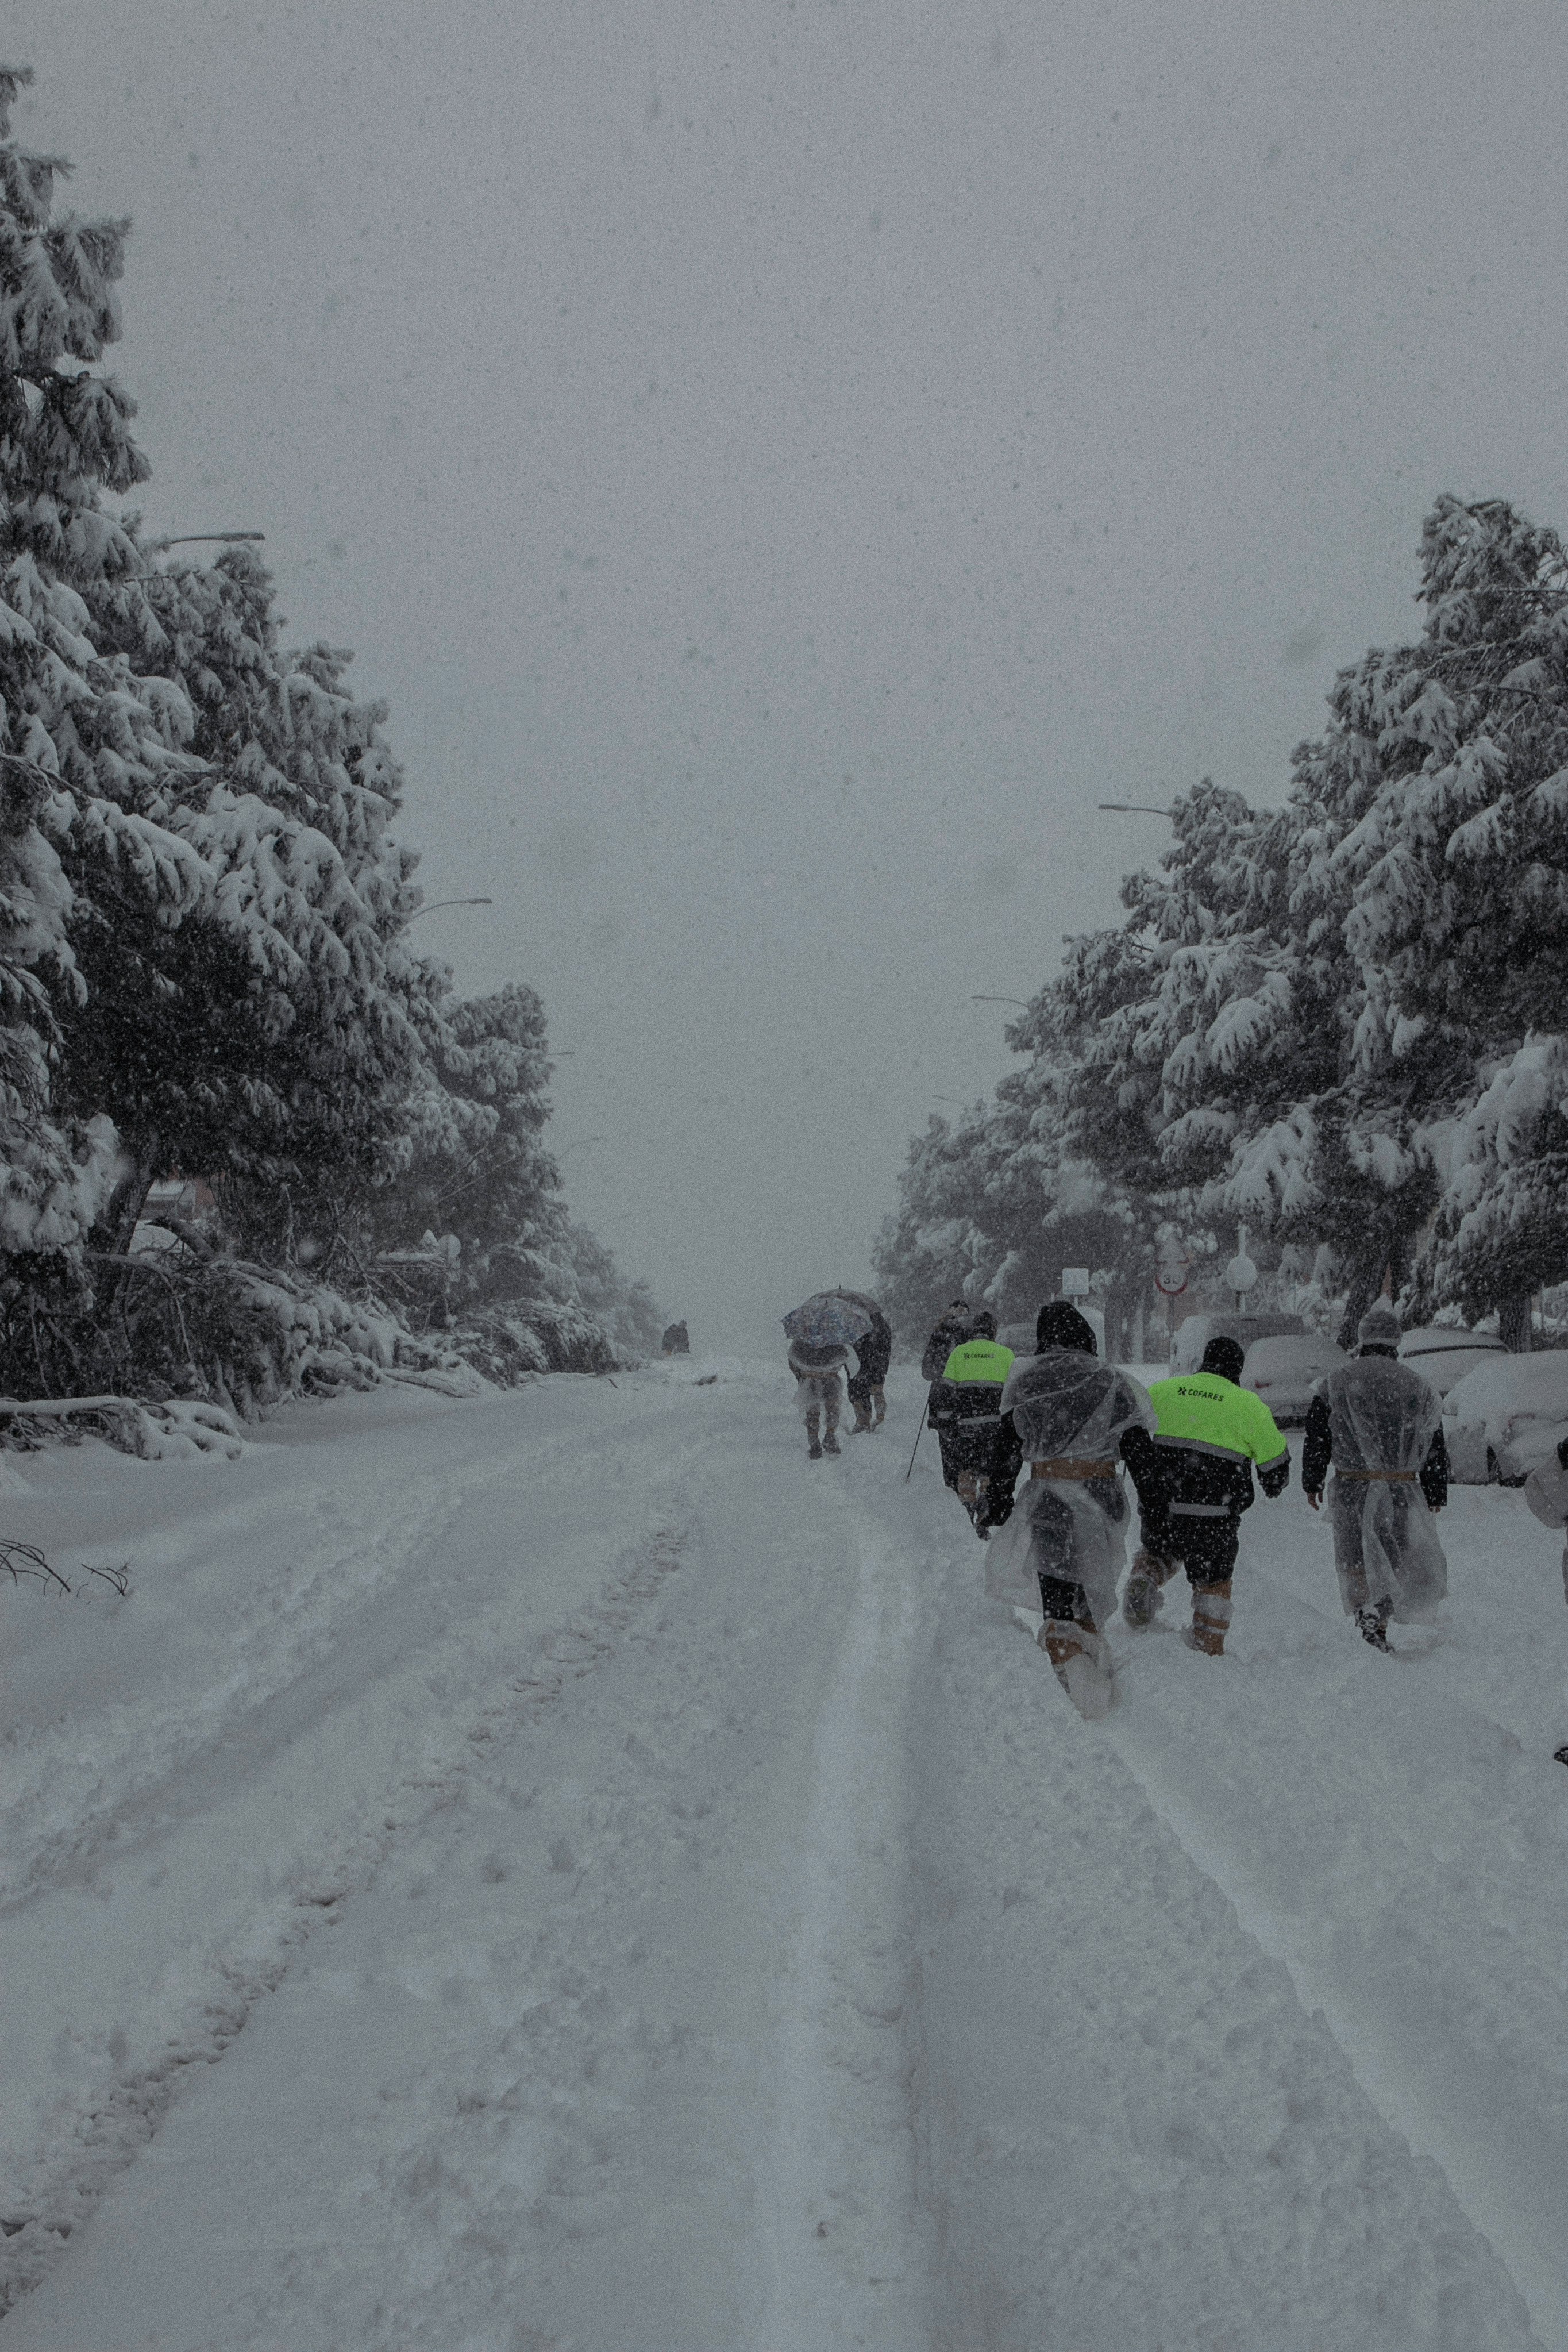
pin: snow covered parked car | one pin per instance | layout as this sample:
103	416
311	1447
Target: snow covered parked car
1507	1415
1284	1370
1194	1334
1444	1357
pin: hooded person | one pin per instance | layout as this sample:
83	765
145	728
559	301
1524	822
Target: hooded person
873	1353
980	1458
1195	1481
1073	1416
955	1323
1546	1492
1378	1425
817	1392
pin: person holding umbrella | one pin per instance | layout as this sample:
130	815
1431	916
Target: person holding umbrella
821	1333
873	1353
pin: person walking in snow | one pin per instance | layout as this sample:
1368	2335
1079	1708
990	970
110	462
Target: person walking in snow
955	1323
1074	1417
676	1342
1379	1425
817	1392
1546	1492
1196	1480
873	1353
981	1456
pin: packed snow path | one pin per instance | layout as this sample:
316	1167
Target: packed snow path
560	1871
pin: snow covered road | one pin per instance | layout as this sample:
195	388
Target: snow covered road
558	1871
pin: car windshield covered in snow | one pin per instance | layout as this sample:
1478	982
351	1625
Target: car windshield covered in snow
1285	1371
1507	1415
1444	1357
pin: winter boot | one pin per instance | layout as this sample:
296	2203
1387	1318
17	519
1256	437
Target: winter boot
878	1407
1082	1663
830	1438
1142	1599
1371	1624
813	1437
863	1422
1210	1617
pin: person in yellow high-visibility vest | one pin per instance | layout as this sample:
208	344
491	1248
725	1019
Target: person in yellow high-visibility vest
981	1453
1193	1486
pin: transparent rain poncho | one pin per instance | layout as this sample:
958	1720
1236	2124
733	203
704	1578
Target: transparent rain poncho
1382	1416
816	1371
1067	1406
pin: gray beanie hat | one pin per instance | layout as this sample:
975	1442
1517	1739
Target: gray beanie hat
1379	1327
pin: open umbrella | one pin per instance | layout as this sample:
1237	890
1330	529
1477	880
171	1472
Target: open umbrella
829	1319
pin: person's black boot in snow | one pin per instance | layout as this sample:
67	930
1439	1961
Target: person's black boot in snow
814	1451
831	1443
1142	1599
1371	1624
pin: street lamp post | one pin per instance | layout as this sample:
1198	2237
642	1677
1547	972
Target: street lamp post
437	903
190	539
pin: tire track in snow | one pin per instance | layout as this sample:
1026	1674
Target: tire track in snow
303	1593
115	2099
1374	1832
845	2248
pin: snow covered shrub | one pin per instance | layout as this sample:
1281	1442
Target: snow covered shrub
510	1340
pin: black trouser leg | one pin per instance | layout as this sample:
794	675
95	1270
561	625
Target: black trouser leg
1206	1549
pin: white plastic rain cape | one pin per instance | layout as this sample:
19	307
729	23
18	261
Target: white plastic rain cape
1067	1406
817	1385
1382	1416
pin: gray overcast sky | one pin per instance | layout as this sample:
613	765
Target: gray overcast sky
784	462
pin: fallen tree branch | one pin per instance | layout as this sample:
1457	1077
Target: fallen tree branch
26	1560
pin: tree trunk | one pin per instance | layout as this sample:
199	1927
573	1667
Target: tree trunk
1365	1282
1513	1323
122	1211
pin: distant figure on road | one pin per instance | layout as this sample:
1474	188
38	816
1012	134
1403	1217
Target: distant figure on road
1546	1492
817	1392
676	1342
1194	1482
1379	1424
980	1458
